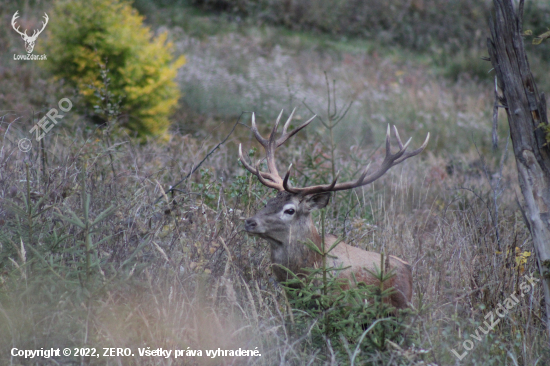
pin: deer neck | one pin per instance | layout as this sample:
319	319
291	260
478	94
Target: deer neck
294	254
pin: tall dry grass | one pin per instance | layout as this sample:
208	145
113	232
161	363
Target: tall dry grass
178	272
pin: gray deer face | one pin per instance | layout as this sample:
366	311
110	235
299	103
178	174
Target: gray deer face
286	217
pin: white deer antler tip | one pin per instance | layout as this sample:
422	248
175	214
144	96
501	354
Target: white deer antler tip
388	131
292	114
287	172
426	141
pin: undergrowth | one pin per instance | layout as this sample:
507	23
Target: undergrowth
91	257
178	272
346	319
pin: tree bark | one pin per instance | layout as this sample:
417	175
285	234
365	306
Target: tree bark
526	111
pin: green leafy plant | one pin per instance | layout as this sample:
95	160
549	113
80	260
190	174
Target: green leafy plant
87	224
90	34
354	318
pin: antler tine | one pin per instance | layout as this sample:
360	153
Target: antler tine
281	140
415	152
363	175
388	142
276	127
288	121
402	148
392	160
285	181
397	137
259	137
245	163
407	144
334	181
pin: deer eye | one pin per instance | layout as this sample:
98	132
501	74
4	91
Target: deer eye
289	211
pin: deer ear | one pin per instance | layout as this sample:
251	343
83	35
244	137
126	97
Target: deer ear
317	201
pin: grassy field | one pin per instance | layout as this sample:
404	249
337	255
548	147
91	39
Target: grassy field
176	271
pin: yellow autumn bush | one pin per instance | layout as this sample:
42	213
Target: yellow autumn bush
85	34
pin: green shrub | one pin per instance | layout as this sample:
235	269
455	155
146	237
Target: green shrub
87	36
353	319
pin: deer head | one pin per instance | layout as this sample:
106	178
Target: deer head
285	222
289	211
29	40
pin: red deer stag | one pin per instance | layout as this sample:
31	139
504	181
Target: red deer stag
286	223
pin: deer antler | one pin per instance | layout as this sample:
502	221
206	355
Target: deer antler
13	19
44	23
35	33
272	178
390	160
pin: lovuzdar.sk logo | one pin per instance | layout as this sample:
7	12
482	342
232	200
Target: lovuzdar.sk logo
29	40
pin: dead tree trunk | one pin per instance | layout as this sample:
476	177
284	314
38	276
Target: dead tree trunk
526	111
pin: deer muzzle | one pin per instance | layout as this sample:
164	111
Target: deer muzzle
252	226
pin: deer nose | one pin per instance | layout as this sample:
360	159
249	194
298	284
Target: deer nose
250	224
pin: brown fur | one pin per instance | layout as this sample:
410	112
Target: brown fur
286	233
